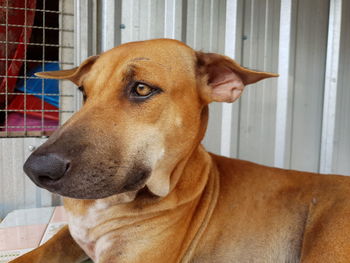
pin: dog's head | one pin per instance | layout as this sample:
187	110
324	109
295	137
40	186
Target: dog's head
145	109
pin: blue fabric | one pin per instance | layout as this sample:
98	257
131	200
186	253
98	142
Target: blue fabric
36	85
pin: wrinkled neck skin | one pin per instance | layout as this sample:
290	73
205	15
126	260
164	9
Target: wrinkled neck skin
149	229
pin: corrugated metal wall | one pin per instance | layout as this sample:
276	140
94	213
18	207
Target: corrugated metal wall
297	135
257	111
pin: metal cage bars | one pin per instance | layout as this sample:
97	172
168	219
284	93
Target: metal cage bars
24	127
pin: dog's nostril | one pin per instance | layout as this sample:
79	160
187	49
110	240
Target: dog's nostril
45	180
67	167
45	168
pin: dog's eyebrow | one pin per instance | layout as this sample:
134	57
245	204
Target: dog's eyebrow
139	58
129	73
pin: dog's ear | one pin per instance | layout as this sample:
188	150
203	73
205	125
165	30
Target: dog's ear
224	79
76	75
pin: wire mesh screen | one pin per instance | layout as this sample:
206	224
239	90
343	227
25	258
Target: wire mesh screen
35	35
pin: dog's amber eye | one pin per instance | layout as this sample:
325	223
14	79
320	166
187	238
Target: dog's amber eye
140	91
143	90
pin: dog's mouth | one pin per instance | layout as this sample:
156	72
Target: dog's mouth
85	190
88	181
98	191
136	181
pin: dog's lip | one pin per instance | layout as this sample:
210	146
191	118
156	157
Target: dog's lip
139	183
59	187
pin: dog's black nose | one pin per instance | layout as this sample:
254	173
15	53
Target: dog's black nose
45	168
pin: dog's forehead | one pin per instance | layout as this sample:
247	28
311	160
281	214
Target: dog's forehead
163	52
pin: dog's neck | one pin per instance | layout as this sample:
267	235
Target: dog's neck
152	221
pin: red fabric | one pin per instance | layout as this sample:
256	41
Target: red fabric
33	103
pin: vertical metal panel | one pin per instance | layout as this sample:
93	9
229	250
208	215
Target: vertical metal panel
341	150
331	83
151	19
83	10
310	57
206	25
289	126
169	18
66	38
146	17
208	18
192	23
127	20
180	19
136	24
230	49
156	17
283	82
257	108
235	121
109	24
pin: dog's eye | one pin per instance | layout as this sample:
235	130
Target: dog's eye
142	90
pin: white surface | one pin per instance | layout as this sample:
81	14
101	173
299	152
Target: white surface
6	256
51	230
22	217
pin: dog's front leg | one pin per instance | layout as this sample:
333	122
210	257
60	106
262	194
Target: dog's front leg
60	248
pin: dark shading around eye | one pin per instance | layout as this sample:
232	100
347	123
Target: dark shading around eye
81	88
137	90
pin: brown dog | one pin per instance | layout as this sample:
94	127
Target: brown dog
139	187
